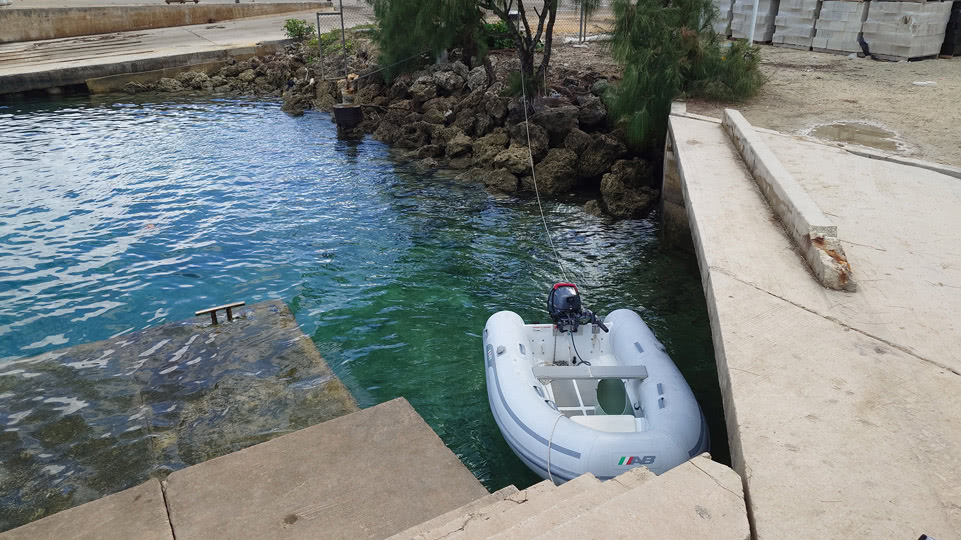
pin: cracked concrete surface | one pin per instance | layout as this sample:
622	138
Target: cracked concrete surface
841	407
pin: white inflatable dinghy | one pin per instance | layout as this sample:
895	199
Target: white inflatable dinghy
585	395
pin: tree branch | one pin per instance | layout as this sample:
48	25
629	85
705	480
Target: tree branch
527	27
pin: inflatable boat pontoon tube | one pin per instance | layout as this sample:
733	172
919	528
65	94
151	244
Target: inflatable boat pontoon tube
626	406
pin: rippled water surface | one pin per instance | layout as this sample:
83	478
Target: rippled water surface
120	216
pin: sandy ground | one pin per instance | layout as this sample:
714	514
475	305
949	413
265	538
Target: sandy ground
808	89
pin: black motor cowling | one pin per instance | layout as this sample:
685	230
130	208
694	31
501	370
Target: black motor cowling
564	306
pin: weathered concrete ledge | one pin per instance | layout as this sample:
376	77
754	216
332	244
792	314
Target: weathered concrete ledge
366	475
52	23
841	409
138	512
74	75
814	234
155	400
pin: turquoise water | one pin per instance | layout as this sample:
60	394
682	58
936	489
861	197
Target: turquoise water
116	216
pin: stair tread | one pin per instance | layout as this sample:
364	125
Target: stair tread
472	506
452	528
698	499
535	524
485	528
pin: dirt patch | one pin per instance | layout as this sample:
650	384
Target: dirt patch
807	89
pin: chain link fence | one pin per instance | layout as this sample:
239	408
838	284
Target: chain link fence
571	21
333	29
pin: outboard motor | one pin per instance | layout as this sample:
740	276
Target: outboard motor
564	306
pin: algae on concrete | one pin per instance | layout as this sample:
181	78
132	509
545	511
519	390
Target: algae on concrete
101	417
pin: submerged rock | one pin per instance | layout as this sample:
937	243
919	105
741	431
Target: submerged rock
625	191
501	180
593	207
426	165
134	87
194	79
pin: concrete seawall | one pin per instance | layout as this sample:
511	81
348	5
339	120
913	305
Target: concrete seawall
840	406
35	24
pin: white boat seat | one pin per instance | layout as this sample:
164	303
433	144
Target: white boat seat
590	372
615	423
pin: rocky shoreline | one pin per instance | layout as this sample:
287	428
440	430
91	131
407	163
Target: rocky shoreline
448	116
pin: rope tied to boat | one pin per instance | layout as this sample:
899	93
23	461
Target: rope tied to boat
530	154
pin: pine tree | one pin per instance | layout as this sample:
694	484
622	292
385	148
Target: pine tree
668	48
408	28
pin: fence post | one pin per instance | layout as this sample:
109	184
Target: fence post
581	26
320	49
343	37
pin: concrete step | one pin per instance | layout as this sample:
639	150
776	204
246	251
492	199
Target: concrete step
460	523
699	499
472	506
366	475
581	502
479	529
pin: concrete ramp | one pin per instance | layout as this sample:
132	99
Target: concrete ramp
841	406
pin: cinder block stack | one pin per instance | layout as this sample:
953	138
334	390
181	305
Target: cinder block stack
722	24
838	26
905	30
741	20
794	24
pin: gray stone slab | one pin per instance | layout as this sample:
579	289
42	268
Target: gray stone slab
137	513
841	408
369	474
97	418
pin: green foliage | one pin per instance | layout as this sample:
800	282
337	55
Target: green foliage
497	36
725	73
512	87
408	28
668	51
298	30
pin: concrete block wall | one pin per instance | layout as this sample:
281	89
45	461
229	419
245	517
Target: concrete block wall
725	11
741	20
906	29
838	26
794	24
